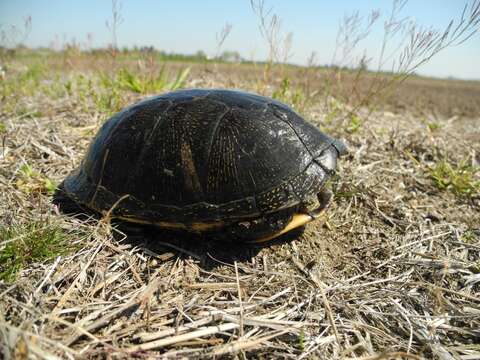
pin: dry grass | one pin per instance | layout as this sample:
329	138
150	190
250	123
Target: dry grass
418	95
393	273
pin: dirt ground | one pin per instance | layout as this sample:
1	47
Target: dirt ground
394	272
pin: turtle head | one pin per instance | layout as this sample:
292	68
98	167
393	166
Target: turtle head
340	146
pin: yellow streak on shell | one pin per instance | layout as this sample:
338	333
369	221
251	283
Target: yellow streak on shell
177	226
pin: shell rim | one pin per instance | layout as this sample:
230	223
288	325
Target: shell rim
186	214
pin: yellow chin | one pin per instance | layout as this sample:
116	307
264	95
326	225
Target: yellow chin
298	220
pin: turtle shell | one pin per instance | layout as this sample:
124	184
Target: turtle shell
203	156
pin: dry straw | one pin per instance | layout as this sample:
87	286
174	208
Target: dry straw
392	274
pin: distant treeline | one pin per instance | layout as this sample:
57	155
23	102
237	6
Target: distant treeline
133	52
150	52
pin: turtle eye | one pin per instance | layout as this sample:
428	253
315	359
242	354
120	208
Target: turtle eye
328	159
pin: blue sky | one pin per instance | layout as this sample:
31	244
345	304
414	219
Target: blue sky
186	26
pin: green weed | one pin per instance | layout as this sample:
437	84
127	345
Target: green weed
83	87
25	112
348	190
101	91
28	82
469	237
301	340
68	86
330	116
281	92
27	244
132	82
355	124
54	87
18	86
31	181
108	97
145	84
293	96
107	102
33	74
3	128
461	179
434	126
180	79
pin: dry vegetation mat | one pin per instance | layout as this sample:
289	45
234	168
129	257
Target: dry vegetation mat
393	273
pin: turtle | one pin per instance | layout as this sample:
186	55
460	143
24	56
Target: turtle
219	162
